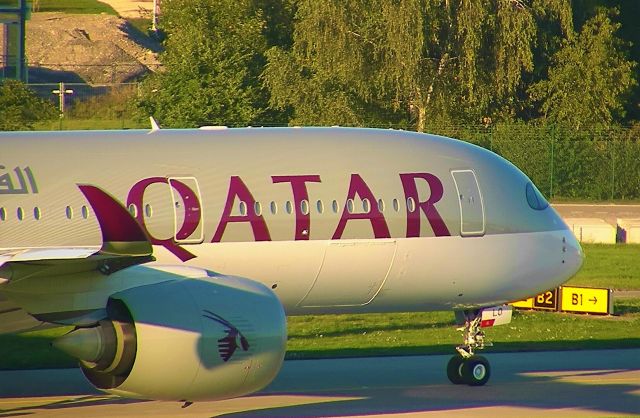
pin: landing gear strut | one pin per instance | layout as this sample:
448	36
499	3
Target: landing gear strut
466	367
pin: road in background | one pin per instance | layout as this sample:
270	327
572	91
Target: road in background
610	213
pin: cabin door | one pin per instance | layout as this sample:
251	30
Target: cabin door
472	223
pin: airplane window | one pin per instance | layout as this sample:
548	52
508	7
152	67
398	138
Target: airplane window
148	210
535	199
350	207
274	207
304	207
37	214
320	206
411	204
3	214
20	214
366	206
335	207
243	208
381	205
69	212
288	207
396	205
133	210
85	212
257	208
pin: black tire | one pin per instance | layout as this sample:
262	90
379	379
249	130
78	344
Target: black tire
454	370
476	371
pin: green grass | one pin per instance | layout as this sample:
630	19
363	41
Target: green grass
393	334
76	7
32	350
435	333
90	124
611	266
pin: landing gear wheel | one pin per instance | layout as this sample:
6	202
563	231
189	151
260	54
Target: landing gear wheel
475	371
454	370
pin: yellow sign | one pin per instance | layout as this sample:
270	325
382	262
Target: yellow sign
523	304
586	300
547	300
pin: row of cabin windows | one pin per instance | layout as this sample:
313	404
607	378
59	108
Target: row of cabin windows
21	213
305	208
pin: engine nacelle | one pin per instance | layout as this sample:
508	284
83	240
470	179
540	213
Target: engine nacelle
189	339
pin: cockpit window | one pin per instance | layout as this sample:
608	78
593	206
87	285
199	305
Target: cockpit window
535	198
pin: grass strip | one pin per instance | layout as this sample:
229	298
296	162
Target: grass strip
76	7
610	266
324	336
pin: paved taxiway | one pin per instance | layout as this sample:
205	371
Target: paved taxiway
608	212
571	383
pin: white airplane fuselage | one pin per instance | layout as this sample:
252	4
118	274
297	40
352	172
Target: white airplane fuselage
332	219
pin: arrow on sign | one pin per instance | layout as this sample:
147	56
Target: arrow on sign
594	300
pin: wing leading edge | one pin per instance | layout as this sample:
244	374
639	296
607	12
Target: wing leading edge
124	244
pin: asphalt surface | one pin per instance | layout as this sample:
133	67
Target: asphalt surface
610	213
571	383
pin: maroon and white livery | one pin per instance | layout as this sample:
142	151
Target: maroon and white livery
177	253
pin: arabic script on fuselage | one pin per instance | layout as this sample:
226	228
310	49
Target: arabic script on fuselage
17	181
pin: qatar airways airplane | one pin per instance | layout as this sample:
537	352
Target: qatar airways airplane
176	254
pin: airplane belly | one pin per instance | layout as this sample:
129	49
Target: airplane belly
456	272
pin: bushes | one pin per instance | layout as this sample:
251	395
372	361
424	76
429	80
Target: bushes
20	108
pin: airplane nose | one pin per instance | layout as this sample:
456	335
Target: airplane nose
573	254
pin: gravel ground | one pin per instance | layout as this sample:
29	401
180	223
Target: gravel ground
96	49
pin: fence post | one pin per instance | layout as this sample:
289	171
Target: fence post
553	139
613	168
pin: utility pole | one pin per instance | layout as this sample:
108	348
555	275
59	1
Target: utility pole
154	18
62	92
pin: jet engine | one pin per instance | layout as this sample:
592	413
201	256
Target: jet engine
186	339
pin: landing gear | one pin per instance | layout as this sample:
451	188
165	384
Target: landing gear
466	367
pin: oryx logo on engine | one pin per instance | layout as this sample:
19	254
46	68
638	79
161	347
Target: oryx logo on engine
234	339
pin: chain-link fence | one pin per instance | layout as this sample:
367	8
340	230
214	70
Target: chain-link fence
84	106
588	163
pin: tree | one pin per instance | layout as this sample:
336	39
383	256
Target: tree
589	78
211	64
20	108
358	61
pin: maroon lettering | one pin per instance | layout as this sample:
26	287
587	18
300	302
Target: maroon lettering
358	187
427	206
299	189
237	189
191	219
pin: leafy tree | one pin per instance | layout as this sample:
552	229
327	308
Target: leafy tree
211	64
434	60
589	78
20	108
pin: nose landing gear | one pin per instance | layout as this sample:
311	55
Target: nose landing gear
466	367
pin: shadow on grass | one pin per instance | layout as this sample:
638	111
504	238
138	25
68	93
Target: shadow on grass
22	353
626	306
